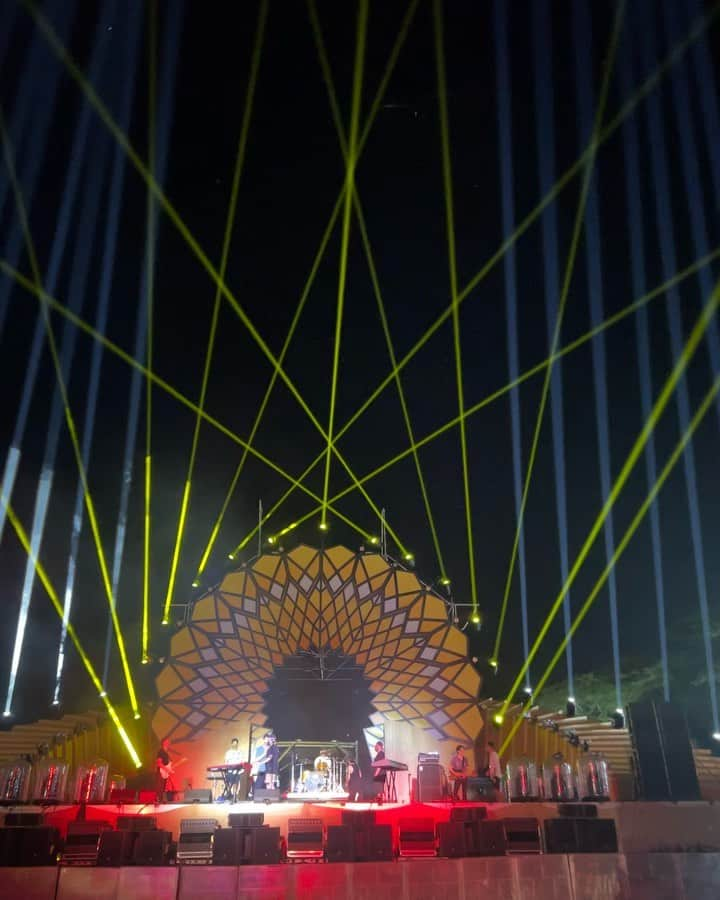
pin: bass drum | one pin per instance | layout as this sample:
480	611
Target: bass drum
312	781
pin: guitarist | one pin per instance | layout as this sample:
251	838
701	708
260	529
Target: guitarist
459	771
164	769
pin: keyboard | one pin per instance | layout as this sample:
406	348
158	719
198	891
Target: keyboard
229	767
390	765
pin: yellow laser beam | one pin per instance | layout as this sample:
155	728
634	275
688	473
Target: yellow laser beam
103	112
699	27
361	31
69	419
499	393
52	594
115	349
229	224
564	293
673	459
454	302
337	118
664	397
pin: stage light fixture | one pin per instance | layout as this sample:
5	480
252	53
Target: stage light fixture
165	622
145	660
493	663
136	716
323	526
196	583
498	718
445	582
271	540
374	540
618	719
716	735
231	556
527	689
570	707
409	558
56	703
103	693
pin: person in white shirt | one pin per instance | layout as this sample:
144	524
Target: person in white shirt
233	755
493	770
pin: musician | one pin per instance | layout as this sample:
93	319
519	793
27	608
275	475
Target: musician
233	756
272	766
459	771
493	769
163	768
353	781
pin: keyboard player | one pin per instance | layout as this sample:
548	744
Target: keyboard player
233	756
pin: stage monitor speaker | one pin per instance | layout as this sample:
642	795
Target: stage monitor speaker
679	757
481	789
358	818
305	838
522	834
123	795
491	838
116	848
452	840
577	810
561	836
652	780
23	819
379	843
431	783
340	844
136	823
36	846
152	848
246	820
416	837
265	848
596	835
266	795
198	795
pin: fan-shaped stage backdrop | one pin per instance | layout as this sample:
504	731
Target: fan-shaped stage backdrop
360	604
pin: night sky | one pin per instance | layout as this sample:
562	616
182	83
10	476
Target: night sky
292	175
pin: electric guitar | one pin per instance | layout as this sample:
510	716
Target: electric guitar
169	770
466	773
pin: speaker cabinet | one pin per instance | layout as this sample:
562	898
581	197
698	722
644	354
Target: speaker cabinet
23	819
358	818
340	844
523	835
577	810
416	837
679	758
380	843
431	783
652	779
596	835
452	839
491	838
265	848
266	795
246	820
36	846
467	813
116	848
152	848
136	823
229	847
561	836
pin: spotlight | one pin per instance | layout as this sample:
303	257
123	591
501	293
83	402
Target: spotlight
136	716
475	618
231	556
196	583
527	690
409	558
145	660
618	719
493	663
445	582
103	693
323	526
374	540
271	540
165	622
56	703
498	719
570	707
716	735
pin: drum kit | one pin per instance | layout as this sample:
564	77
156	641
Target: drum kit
324	774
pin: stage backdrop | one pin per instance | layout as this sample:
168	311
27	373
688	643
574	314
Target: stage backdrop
361	604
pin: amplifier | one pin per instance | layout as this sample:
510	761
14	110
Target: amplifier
195	848
305	839
81	849
197	795
24	819
433	757
416	837
198	826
